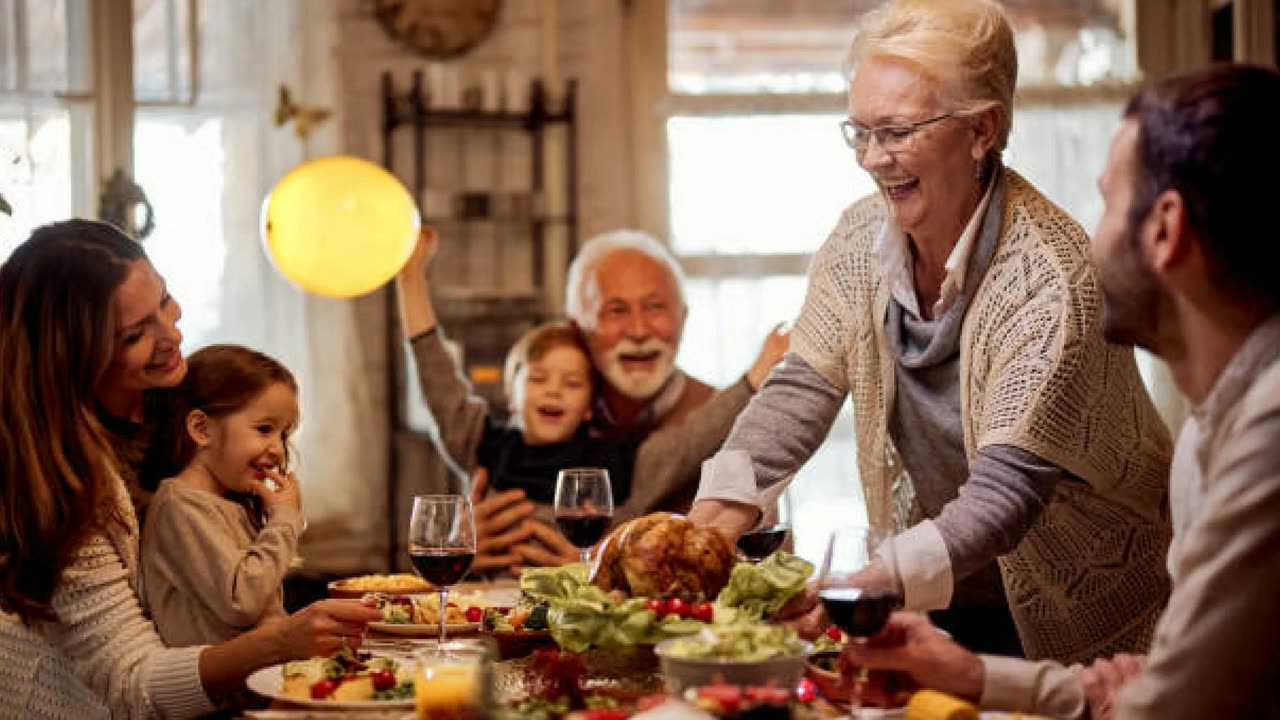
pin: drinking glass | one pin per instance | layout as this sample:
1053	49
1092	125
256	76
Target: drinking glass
762	542
583	506
442	543
453	680
859	586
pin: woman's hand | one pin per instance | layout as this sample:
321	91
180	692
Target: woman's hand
911	645
500	524
286	493
804	613
776	344
324	628
417	314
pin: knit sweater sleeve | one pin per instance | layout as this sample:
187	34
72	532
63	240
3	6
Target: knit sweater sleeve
238	585
113	648
462	418
669	459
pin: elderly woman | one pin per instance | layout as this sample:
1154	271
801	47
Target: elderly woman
1013	450
86	328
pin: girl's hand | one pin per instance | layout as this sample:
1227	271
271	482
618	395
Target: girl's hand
286	494
323	628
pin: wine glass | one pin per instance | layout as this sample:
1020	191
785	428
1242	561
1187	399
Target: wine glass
762	542
442	542
859	586
583	506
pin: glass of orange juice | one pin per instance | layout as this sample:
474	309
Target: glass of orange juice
453	680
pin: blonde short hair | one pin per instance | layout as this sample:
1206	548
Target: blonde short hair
582	293
966	46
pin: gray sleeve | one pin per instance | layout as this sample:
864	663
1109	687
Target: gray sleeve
786	421
1006	491
460	417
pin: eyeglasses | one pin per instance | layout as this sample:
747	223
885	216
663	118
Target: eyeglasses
892	138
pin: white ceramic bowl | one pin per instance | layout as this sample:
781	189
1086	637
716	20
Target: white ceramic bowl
681	673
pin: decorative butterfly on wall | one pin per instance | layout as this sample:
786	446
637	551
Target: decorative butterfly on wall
305	118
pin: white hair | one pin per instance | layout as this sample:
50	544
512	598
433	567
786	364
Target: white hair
582	292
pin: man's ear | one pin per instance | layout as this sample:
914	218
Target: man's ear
199	428
1165	238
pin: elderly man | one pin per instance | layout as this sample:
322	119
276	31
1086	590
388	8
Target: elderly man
625	292
1186	252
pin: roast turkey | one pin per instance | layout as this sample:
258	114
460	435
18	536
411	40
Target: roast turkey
663	554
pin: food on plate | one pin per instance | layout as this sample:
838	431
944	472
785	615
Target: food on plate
664	554
347	676
399	583
520	618
745	642
425	609
757	702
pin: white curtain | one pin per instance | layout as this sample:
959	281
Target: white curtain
208	247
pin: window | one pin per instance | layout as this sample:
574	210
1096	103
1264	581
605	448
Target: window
758	172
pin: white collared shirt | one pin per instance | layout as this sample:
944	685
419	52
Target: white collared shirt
894	255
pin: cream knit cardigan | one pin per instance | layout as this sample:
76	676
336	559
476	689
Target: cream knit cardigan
103	658
1088	578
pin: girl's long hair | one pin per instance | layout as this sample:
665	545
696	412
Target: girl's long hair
57	340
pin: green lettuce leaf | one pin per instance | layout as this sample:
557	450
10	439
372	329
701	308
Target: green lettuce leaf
760	590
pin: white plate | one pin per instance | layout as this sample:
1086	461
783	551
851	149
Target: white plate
269	682
422	629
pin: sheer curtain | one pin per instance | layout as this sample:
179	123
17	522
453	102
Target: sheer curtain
207	169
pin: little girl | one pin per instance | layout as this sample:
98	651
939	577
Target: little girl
220	534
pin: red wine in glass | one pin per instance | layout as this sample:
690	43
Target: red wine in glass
760	544
442	542
583	506
858	612
442	567
583	529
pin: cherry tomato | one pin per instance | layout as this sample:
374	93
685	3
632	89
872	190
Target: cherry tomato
656	605
728	697
677	606
384	679
322	689
834	633
604	715
703	611
475	614
806	691
767	695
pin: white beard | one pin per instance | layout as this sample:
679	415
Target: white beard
638	384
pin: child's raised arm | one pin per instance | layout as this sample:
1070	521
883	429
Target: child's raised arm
461	417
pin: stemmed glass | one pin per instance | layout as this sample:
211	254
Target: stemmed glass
584	506
442	543
762	542
859	585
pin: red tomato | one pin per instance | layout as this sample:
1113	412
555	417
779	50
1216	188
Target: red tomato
728	697
768	695
834	633
604	715
475	614
322	689
704	611
657	606
806	691
384	679
676	606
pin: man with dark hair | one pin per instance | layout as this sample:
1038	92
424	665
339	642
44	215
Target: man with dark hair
1186	256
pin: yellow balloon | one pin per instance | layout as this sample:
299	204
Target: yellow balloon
339	226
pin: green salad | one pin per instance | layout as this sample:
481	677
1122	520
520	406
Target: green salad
582	615
746	643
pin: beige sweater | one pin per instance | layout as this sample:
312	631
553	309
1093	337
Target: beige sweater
103	657
1035	374
208	573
